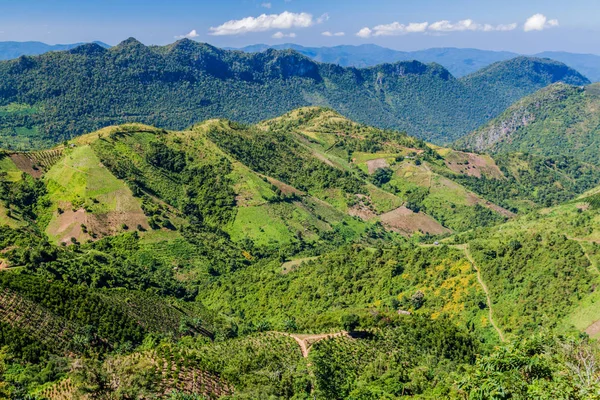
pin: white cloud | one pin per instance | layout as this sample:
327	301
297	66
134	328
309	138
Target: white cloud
396	28
266	5
281	35
263	23
364	33
539	22
331	34
323	18
191	35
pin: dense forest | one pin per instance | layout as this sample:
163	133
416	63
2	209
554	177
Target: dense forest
186	82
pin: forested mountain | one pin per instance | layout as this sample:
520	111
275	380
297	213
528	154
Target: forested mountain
50	98
10	50
560	120
460	62
307	256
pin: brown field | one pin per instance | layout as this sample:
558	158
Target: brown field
473	165
26	164
374	165
405	221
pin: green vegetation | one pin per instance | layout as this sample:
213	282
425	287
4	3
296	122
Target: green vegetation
186	82
297	259
557	121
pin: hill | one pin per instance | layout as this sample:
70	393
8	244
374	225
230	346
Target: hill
342	259
184	83
11	50
560	120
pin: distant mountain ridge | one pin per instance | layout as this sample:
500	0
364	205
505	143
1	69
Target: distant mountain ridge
10	50
460	62
55	96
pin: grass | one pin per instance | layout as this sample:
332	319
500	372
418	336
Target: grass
13	173
259	224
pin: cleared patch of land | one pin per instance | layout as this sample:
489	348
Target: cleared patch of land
406	221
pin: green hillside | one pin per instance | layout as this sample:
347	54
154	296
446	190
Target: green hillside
560	120
181	84
307	256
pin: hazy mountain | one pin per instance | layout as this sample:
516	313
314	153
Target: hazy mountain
10	50
459	62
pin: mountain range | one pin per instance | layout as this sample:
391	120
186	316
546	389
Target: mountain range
49	98
460	62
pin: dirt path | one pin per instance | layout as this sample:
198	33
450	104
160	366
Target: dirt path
307	341
465	249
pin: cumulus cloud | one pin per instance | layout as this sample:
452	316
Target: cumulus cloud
396	28
364	33
191	35
281	35
264	22
331	34
266	5
539	22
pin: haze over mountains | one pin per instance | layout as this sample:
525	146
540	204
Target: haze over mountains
10	50
46	99
459	62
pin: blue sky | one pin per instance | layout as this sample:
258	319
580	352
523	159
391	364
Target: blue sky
400	24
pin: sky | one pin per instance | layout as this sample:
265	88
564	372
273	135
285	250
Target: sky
524	26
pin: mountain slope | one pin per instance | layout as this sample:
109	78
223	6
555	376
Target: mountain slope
53	97
557	121
270	251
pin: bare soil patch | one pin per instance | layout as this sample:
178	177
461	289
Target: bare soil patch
374	165
70	224
362	209
284	187
292	265
26	165
473	165
405	221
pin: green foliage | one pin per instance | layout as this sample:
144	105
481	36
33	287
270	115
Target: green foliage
186	82
556	121
414	357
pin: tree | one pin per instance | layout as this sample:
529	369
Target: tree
350	322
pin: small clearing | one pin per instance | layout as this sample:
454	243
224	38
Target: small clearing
471	164
292	265
374	165
307	341
405	221
26	164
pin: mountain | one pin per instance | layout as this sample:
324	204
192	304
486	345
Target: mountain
53	97
460	62
560	120
306	256
10	50
587	64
